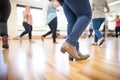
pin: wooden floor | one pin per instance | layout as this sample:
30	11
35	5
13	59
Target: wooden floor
44	61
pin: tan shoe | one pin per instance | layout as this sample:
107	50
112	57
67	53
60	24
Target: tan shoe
101	41
70	49
82	57
5	42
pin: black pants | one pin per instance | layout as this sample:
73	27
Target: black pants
53	29
5	9
28	29
90	34
117	31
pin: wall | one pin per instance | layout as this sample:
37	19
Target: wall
12	21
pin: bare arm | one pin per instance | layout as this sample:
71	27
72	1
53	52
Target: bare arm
108	8
56	4
25	13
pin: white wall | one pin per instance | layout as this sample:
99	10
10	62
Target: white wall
12	21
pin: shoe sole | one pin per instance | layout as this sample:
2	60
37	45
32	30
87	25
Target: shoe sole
101	42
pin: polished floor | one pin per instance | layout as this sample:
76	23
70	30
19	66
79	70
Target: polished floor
44	61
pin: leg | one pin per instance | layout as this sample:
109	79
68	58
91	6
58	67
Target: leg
96	26
48	33
53	27
104	29
119	30
83	18
72	40
116	32
71	19
90	34
5	10
30	32
54	36
95	40
61	2
43	36
91	31
26	27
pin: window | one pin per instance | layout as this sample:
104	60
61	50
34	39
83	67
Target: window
37	14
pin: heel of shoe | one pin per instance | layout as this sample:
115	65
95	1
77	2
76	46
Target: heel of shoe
5	42
62	50
101	41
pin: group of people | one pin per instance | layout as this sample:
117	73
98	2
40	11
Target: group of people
78	14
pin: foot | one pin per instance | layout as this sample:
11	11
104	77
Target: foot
42	38
5	42
31	41
70	49
19	38
101	41
55	42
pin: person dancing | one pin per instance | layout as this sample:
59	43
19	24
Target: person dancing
5	9
78	14
51	20
27	23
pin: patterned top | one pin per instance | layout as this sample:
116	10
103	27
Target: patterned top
51	13
98	8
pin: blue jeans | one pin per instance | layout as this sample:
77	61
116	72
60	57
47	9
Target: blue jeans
96	26
78	14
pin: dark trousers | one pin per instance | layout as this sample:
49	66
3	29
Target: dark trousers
117	31
91	31
5	10
28	29
53	28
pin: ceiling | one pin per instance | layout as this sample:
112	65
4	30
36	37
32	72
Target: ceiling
114	4
46	1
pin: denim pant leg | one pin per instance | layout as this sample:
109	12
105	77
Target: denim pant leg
77	30
96	26
71	19
82	21
96	38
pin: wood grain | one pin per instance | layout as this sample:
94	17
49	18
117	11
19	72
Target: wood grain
44	61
